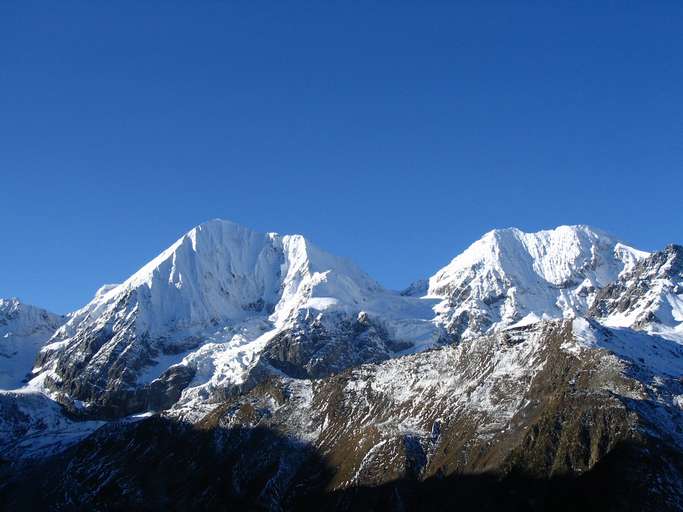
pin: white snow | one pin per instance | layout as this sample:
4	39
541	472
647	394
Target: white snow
509	276
629	256
222	363
584	336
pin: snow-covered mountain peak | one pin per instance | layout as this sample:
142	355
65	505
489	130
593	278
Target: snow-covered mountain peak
9	305
209	306
254	333
224	302
220	272
553	255
508	275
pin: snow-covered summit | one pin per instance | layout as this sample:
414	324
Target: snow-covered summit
222	272
211	303
509	276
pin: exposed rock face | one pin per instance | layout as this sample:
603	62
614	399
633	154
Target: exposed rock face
533	411
312	349
23	331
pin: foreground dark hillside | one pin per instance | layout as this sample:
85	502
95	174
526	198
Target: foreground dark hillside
160	464
557	432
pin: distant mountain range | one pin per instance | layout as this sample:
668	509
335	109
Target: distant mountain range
543	370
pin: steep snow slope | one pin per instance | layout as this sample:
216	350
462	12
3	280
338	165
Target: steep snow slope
511	277
23	331
204	310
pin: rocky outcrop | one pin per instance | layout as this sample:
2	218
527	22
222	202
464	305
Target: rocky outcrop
316	349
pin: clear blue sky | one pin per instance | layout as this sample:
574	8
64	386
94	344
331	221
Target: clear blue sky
395	133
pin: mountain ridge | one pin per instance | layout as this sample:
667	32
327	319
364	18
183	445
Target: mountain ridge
529	353
224	289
